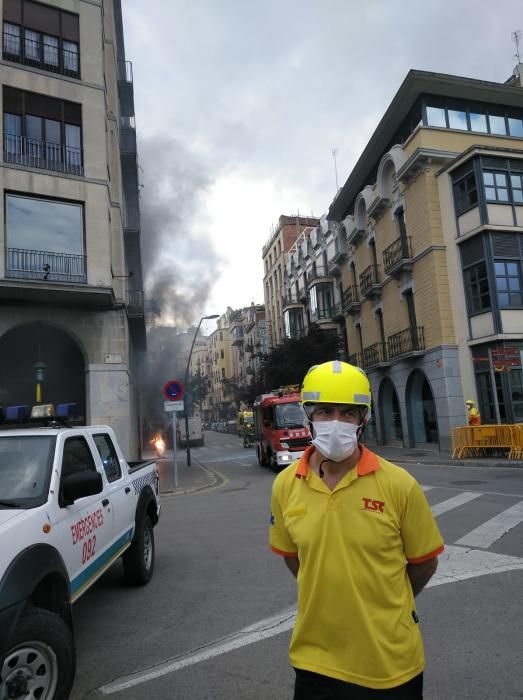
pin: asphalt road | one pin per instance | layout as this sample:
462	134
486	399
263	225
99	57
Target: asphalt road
215	620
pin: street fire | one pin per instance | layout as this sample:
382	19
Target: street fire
159	444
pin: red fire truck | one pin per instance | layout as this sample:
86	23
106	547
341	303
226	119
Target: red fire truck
280	427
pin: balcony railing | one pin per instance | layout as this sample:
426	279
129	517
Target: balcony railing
406	342
41	54
397	254
124	72
135	302
327	313
127	135
291	299
131	218
350	298
42	154
316	273
356	359
374	355
370	280
44	265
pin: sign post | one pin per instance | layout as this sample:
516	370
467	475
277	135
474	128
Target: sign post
173	392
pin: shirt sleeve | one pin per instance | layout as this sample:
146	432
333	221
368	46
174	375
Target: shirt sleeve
422	539
280	540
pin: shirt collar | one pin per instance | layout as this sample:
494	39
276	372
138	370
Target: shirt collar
367	463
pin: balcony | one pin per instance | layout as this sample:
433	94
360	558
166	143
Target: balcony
127	136
291	300
237	336
335	263
356	359
375	356
131	218
398	257
370	284
44	265
316	275
41	154
326	314
135	303
124	75
409	342
41	54
249	348
351	299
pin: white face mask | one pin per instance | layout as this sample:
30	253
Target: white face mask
335	439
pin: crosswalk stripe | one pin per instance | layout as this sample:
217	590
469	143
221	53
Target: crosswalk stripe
491	530
454	502
424	487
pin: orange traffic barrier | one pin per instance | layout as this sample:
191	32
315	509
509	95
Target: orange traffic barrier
485	440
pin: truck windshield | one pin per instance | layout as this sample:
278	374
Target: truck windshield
25	470
290	415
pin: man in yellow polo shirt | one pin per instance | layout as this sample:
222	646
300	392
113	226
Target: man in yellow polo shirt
358	534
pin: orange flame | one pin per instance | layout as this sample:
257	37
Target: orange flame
159	444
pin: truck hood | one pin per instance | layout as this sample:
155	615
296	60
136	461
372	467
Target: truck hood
8	514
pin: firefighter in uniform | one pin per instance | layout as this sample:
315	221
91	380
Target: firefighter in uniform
359	535
472	413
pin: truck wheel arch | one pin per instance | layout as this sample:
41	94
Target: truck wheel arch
146	506
36	577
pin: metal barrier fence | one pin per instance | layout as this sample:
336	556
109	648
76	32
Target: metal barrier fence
488	440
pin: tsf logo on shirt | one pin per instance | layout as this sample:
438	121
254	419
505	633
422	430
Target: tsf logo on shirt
371	504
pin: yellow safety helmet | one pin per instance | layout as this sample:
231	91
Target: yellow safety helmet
469	401
336	382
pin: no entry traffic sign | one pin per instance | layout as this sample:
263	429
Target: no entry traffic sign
173	390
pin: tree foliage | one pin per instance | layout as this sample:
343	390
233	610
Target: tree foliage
288	363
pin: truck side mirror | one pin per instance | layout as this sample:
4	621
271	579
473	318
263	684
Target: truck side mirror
79	485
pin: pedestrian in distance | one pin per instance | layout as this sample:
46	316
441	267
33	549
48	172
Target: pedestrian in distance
473	415
358	534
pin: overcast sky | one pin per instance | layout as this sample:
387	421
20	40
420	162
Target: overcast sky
239	104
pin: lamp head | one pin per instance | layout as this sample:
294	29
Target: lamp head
211	317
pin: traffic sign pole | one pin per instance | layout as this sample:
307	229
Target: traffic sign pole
175	422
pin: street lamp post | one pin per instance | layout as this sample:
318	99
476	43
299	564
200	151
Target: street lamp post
203	318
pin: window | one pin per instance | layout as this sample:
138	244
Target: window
77	457
465	193
457	119
436	117
107	452
483	118
516	183
223	372
477	288
42	132
41	36
515	127
496	186
478	122
497	124
508	282
222	354
44	239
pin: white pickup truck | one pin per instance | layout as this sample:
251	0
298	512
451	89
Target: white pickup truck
70	505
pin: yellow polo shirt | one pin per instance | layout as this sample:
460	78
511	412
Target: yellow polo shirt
356	615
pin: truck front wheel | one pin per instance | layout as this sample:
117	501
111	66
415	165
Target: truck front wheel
41	660
138	560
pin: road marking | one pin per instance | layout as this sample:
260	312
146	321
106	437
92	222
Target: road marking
460	563
425	487
283	622
491	530
454	502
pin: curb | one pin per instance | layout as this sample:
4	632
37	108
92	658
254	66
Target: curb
216	479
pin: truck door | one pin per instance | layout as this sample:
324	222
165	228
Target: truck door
122	502
83	529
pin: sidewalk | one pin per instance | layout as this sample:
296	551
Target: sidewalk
414	455
190	479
